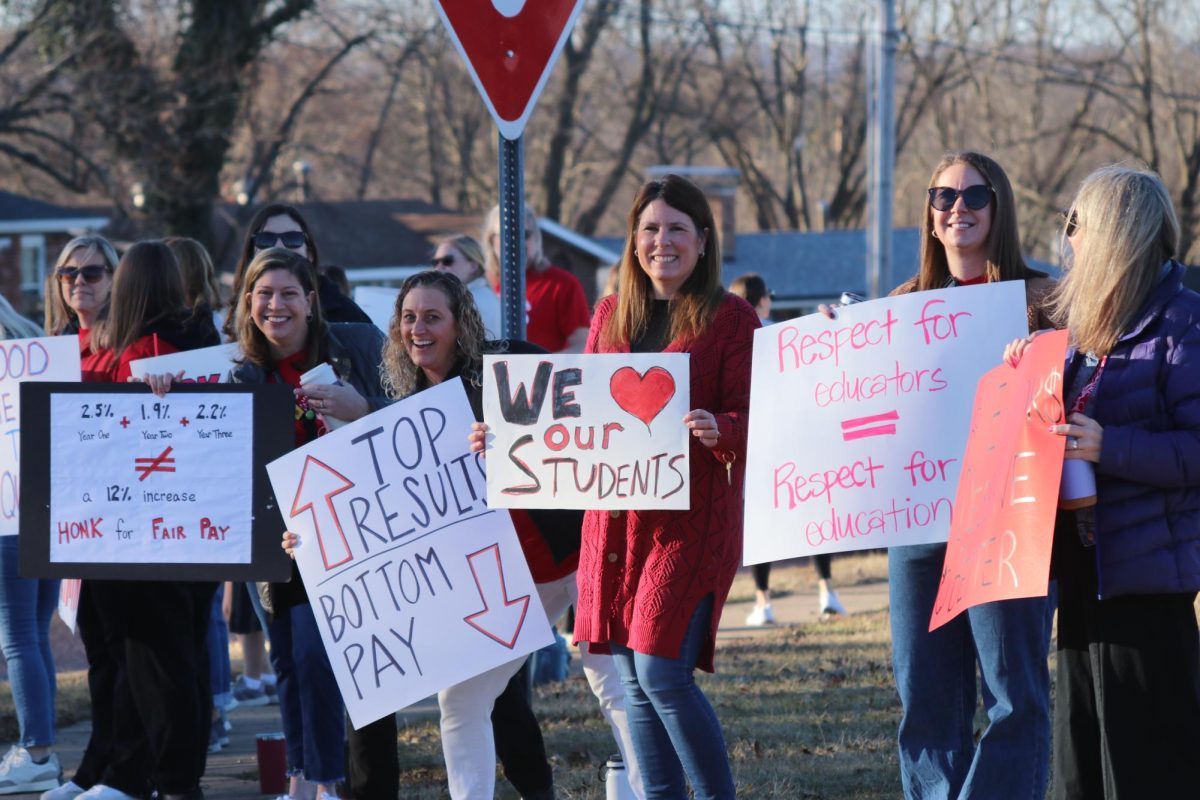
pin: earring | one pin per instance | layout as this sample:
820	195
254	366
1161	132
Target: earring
702	252
933	232
309	317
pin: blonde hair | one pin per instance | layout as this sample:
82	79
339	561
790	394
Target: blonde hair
15	326
58	315
695	305
399	375
1127	229
470	248
491	231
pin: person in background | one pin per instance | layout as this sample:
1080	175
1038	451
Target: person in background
256	686
557	316
278	225
1127	700
201	292
77	293
339	277
652	583
145	640
26	606
969	237
463	256
753	289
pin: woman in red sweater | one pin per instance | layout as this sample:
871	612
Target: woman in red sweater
652	583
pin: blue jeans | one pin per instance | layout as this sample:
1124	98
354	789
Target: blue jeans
314	720
935	676
673	727
220	673
26	605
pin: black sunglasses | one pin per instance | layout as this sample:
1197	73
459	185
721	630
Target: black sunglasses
91	273
444	261
1070	222
292	240
976	197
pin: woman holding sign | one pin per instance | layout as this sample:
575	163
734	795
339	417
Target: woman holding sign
969	237
437	334
652	583
1127	713
283	335
145	640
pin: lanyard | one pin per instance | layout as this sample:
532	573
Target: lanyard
1089	388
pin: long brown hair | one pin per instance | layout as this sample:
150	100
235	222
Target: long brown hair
58	315
146	289
696	302
398	372
1004	260
1127	229
250	339
196	272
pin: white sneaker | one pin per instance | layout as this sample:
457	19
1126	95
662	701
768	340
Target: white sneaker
68	791
828	602
761	615
19	773
102	792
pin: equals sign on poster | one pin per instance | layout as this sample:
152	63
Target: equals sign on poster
862	427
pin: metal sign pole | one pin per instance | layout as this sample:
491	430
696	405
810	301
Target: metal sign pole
512	237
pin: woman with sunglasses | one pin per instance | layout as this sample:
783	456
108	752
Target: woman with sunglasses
145	640
970	237
77	293
463	257
1127	702
279	225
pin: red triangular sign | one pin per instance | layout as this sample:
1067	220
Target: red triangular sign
510	47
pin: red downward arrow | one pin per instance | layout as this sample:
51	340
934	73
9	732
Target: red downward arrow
509	56
325	483
507	614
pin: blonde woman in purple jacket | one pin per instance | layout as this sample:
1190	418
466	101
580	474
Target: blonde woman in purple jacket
1127	713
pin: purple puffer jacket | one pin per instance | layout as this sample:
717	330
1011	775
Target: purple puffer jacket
1148	478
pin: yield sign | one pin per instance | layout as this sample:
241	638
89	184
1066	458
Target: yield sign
510	47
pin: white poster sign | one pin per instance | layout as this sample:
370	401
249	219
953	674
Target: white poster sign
415	582
68	602
136	479
858	424
205	365
50	358
587	431
379	303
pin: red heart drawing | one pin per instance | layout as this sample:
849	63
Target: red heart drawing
643	396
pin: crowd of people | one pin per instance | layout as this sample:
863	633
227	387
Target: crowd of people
648	586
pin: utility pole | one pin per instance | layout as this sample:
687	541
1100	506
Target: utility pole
881	126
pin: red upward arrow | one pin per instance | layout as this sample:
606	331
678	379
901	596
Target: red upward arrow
505	616
509	54
325	483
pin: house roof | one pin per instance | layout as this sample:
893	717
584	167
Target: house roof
20	214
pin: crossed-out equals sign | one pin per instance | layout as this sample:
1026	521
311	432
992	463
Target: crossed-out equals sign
160	463
862	427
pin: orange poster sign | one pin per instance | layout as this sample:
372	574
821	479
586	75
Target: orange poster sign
1003	524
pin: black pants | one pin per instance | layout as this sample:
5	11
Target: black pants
762	572
372	761
149	684
1127	711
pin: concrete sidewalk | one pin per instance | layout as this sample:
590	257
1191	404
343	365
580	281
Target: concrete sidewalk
232	774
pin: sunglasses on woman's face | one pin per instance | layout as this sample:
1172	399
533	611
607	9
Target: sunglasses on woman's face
292	240
444	261
1070	222
91	273
943	198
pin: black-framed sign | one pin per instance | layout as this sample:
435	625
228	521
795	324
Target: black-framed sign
117	483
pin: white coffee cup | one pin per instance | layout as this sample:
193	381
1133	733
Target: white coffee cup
323	374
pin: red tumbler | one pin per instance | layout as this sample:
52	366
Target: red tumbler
272	763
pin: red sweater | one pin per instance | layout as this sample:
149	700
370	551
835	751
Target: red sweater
642	573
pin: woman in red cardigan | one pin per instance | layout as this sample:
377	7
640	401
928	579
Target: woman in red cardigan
652	583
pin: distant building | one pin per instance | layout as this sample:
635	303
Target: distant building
31	235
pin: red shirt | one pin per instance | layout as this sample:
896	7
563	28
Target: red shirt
93	366
557	307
